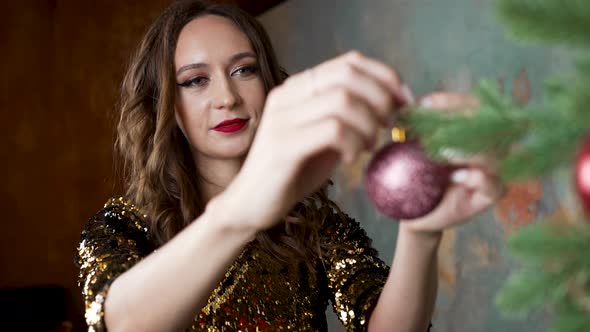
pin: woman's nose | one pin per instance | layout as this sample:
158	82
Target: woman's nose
226	95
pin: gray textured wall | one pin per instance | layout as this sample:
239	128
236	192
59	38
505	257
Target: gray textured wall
443	44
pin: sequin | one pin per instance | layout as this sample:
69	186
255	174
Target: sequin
253	295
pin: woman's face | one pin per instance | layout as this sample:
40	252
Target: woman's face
217	80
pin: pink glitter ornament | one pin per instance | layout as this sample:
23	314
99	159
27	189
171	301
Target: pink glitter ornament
403	183
582	175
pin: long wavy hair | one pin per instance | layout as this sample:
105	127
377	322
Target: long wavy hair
159	172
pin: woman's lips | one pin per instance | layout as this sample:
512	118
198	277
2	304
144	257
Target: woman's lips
231	125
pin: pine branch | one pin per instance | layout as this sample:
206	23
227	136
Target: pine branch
565	21
526	291
490	95
548	240
493	127
579	92
529	141
557	266
553	260
570	317
548	152
488	130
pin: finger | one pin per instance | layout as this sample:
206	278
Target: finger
386	75
345	69
338	104
464	203
343	77
487	162
454	202
477	180
360	84
449	101
330	134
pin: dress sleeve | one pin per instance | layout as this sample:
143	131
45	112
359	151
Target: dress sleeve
354	272
112	241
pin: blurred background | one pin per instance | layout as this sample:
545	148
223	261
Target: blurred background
61	65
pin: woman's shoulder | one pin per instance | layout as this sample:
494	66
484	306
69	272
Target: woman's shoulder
113	240
123	209
118	215
118	229
338	221
343	229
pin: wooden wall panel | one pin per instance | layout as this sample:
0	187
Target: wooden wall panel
61	65
25	83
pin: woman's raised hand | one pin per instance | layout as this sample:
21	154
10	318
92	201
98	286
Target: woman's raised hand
315	119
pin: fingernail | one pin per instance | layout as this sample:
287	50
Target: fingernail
408	95
426	102
459	176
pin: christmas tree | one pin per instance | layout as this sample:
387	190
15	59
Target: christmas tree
535	141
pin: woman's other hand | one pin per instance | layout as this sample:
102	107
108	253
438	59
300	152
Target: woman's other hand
474	187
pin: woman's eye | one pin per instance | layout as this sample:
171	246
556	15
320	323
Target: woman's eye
246	71
197	81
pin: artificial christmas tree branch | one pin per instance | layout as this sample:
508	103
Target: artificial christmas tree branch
531	142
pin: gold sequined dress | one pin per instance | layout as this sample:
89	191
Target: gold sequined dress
253	295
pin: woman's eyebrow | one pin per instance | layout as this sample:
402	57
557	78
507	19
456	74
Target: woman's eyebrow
234	58
190	66
242	55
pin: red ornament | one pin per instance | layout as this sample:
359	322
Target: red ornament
582	175
403	183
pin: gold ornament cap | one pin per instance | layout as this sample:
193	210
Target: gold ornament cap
398	134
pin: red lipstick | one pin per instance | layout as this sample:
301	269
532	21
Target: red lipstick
231	126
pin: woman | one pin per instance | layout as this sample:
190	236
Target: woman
227	167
